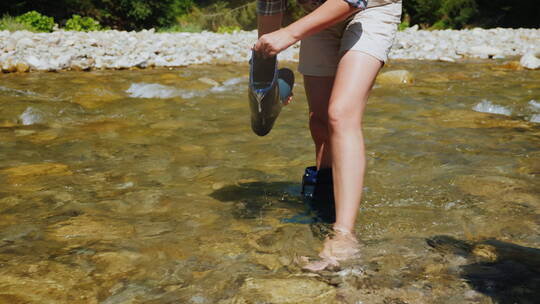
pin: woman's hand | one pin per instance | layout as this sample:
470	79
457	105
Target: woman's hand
272	43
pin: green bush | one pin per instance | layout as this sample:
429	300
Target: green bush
140	14
211	14
218	17
228	29
441	14
82	24
36	21
8	23
182	27
405	22
458	13
422	12
182	7
439	25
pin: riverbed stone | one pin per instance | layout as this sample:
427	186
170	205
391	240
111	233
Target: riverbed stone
530	61
489	186
209	81
115	265
530	164
471	119
285	291
35	170
86	228
47	282
114	49
484	51
396	77
169	124
510	65
22	67
270	261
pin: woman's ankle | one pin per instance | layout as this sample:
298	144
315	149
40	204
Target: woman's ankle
343	231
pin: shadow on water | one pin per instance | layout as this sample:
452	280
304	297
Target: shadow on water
506	272
253	199
257	191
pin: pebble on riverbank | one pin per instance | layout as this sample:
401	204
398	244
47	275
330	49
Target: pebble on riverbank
23	51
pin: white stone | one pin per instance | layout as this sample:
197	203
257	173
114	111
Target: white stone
530	61
117	49
30	116
447	59
484	51
485	106
37	63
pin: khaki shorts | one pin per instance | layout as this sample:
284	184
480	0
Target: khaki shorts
370	31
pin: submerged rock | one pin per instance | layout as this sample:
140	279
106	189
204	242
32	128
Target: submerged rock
489	186
396	77
472	119
485	106
270	261
284	291
209	81
22	67
47	282
83	229
37	170
511	65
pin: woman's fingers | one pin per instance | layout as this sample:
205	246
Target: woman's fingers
264	46
273	43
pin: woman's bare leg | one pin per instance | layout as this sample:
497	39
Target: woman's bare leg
354	79
318	90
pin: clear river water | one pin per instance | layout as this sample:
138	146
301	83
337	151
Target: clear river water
148	186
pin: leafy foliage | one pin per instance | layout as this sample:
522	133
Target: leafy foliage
458	13
219	17
8	23
36	21
404	25
191	15
82	24
228	29
186	28
140	14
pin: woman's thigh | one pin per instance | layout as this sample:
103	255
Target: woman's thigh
318	90
355	76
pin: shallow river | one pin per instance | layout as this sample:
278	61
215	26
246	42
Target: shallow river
148	186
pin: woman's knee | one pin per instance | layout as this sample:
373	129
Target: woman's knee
318	125
342	118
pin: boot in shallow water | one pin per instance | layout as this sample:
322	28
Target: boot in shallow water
323	202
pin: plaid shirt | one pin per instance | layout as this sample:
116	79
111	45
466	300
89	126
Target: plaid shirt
273	7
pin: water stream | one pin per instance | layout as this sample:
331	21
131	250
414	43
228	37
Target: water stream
148	186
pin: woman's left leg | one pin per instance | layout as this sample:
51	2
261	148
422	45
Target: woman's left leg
354	79
355	76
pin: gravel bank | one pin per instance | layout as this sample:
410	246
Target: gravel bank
24	51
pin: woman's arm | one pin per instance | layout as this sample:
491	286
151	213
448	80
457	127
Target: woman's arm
329	13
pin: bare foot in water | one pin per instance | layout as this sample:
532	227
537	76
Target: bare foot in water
338	247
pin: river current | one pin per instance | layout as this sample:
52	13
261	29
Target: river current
148	186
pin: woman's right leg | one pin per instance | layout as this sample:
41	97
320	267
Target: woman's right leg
318	91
